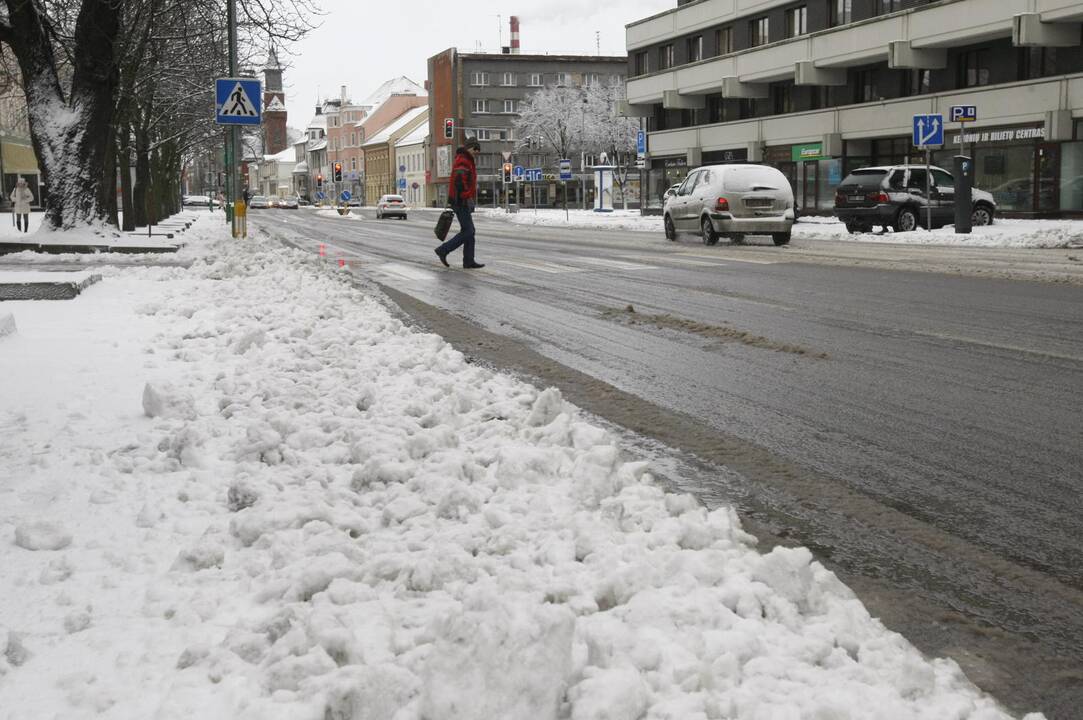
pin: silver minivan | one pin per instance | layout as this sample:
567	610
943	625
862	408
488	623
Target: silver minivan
731	201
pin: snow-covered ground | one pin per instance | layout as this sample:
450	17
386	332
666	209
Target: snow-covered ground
1002	233
244	490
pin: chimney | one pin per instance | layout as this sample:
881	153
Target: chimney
514	34
342	94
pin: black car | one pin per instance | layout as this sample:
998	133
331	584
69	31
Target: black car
895	197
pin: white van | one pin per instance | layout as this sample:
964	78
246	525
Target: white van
731	201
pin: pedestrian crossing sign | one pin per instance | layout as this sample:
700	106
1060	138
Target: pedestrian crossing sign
237	101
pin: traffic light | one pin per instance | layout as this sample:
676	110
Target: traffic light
319	181
507	173
337	172
449	128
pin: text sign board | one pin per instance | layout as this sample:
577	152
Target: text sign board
237	101
402	183
928	130
533	174
641	145
963	113
565	169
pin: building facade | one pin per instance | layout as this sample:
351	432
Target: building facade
820	87
410	153
481	94
381	163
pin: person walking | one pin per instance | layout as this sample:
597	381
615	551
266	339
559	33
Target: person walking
462	198
21	197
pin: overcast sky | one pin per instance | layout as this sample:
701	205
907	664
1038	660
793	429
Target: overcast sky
361	44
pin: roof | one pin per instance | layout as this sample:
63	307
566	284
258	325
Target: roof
317	145
400	122
318	121
300	168
287	155
401	85
415	136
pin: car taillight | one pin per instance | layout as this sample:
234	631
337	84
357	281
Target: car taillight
840	198
877	197
723	205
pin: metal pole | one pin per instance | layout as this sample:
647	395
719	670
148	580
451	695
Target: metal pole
234	131
928	191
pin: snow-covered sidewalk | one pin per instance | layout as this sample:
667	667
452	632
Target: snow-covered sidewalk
244	490
1002	233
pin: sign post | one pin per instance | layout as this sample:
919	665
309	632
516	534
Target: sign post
963	114
928	133
565	176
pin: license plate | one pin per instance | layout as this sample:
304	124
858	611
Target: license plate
856	198
759	202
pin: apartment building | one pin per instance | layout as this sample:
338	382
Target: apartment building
410	154
381	176
819	87
481	93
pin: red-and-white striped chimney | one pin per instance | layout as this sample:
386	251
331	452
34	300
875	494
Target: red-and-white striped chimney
514	35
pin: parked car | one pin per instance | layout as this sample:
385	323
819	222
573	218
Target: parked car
195	200
670	192
391	206
895	196
288	203
259	202
731	201
353	202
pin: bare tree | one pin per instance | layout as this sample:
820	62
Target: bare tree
556	118
607	131
76	59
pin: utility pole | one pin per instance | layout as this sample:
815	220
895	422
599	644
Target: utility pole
233	190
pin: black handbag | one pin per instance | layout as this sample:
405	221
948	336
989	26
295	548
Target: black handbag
443	224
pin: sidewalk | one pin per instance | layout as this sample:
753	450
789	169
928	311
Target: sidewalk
243	490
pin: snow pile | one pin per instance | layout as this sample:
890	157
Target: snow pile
302	509
1002	233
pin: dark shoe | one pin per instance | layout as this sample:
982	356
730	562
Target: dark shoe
473	266
442	256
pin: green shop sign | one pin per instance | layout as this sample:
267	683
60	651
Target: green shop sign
812	151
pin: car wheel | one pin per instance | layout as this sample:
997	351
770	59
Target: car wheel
781	238
906	220
710	237
403	217
982	215
671	232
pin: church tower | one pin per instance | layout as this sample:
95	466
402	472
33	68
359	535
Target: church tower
274	107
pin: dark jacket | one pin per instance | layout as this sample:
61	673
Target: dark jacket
463	188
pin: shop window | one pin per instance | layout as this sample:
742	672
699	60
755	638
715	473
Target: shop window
841	12
758	32
796	21
1071	177
665	57
695	48
974	68
723	40
1008	173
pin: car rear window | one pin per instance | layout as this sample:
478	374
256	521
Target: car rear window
394	198
753	177
865	178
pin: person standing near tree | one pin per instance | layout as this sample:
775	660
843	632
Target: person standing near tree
21	197
462	198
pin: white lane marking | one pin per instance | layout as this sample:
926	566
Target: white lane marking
730	258
543	266
405	272
678	260
616	264
997	346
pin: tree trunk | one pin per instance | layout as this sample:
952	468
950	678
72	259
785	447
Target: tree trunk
125	163
142	176
109	181
70	135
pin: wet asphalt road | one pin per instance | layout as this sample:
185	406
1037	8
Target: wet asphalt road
922	432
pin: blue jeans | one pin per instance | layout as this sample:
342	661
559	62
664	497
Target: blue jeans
465	236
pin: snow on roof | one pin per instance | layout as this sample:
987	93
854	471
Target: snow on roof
300	168
287	155
400	122
317	145
318	121
401	85
415	136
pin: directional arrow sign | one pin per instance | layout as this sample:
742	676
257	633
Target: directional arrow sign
928	130
237	101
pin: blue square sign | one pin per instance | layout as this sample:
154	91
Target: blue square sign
238	101
928	130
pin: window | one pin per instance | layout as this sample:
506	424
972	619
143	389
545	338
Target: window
723	40
842	12
1036	62
943	180
481	107
482	134
758	32
796	21
782	98
535	80
974	68
917	179
509	106
564	79
665	57
888	6
591	80
479	79
865	86
353	163
641	65
917	82
695	48
353	139
508	80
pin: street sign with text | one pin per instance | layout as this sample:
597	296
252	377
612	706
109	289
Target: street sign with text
565	169
928	130
963	113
